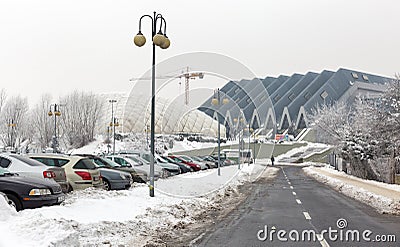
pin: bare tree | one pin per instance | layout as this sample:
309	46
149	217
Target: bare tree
80	116
13	125
3	97
41	122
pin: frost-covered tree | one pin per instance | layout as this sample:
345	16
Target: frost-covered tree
80	114
40	121
332	122
13	127
3	97
367	134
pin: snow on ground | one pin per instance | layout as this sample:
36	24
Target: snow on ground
384	204
302	152
110	218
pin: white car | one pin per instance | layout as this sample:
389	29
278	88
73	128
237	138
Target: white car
137	164
27	167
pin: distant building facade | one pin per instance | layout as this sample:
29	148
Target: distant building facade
282	102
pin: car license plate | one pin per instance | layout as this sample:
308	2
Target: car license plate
60	198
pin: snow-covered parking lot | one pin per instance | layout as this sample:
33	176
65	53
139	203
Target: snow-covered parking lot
128	218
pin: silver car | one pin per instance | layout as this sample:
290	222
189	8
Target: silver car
139	166
28	167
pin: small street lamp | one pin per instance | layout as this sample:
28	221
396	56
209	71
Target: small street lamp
57	113
216	101
12	125
112	123
239	127
159	39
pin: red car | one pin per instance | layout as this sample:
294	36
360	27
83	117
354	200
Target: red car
194	166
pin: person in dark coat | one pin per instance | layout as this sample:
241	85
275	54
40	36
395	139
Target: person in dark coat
272	160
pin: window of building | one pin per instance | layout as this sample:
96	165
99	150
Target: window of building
307	95
292	96
324	94
354	74
277	97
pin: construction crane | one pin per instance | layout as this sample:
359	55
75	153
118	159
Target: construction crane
187	75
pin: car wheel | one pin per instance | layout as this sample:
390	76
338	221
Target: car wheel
70	189
106	185
14	202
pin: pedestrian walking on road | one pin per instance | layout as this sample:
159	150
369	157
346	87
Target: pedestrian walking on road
272	160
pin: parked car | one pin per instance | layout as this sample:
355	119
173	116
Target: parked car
209	164
211	159
182	166
109	164
139	167
224	160
28	192
25	166
81	172
157	168
203	166
172	169
113	179
194	166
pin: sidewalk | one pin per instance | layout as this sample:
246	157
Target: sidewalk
383	197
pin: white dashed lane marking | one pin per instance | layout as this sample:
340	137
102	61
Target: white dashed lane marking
322	241
307	215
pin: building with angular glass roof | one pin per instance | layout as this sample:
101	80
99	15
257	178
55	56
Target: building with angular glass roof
282	102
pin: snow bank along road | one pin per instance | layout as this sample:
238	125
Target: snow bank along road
385	198
124	218
296	203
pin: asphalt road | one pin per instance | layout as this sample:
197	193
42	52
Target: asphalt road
294	202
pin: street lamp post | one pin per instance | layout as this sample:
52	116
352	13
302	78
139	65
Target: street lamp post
12	125
112	123
216	100
254	145
57	113
160	39
239	127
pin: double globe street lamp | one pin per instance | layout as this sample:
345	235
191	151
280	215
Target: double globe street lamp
159	39
216	101
57	113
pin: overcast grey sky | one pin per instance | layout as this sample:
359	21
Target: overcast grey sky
56	46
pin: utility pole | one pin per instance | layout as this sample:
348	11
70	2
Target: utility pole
112	123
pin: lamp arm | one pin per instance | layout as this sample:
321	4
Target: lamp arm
159	16
140	22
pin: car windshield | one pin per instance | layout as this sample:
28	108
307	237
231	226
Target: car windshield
137	159
110	162
196	158
168	159
85	164
4	172
161	159
26	160
185	158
